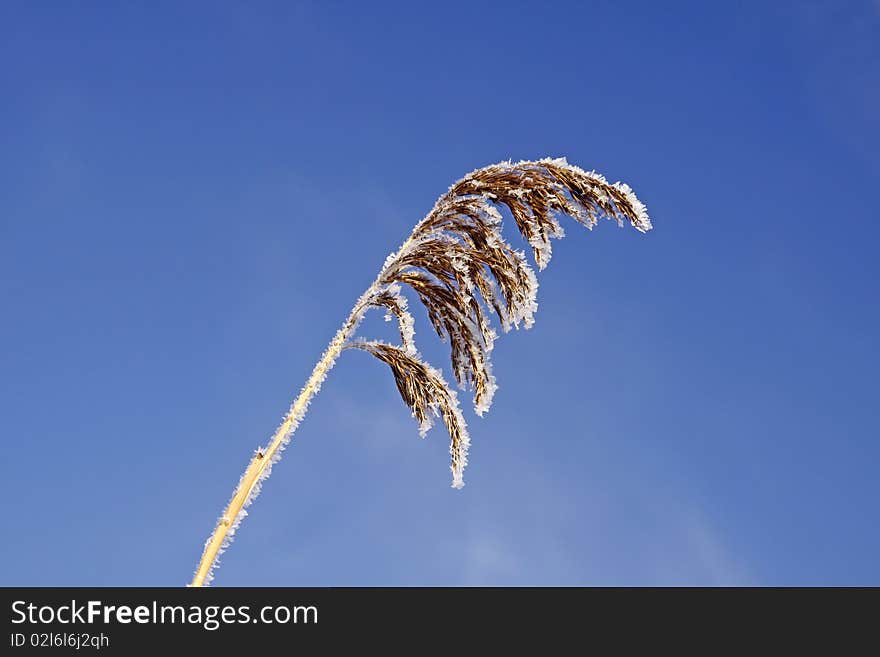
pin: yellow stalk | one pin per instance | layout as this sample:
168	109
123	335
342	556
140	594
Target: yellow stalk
262	459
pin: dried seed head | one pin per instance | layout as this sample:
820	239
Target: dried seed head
462	270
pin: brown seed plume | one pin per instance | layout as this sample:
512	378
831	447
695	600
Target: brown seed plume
462	270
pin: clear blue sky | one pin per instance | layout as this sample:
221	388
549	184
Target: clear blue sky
193	195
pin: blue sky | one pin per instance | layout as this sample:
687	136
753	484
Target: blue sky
193	195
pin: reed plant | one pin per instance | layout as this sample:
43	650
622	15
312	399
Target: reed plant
461	268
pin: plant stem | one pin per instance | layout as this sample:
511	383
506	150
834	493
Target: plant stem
262	459
256	470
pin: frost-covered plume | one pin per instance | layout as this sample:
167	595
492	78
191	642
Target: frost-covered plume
461	268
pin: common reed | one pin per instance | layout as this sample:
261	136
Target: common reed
462	270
